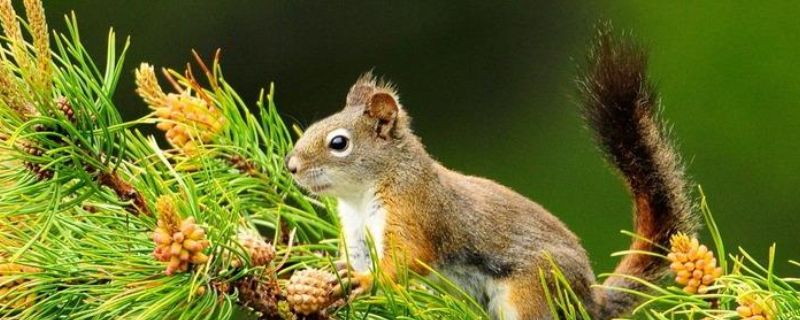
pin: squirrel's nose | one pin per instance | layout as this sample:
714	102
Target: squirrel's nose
292	164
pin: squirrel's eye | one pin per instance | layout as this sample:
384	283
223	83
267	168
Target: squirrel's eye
339	142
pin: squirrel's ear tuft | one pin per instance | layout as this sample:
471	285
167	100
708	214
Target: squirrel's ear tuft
383	107
361	90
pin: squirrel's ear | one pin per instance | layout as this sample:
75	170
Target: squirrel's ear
378	100
383	107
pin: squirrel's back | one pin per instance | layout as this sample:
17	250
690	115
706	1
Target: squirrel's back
496	233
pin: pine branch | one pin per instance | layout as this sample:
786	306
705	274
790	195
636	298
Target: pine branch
100	222
125	192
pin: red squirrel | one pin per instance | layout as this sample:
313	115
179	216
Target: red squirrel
485	237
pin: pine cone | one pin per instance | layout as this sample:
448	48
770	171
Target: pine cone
261	253
260	294
694	265
309	291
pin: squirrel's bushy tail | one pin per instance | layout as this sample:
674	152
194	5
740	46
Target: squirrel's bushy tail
621	106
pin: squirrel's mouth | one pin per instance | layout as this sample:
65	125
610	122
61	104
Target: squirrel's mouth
319	187
316	181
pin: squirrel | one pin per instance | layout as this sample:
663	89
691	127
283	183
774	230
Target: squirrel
486	238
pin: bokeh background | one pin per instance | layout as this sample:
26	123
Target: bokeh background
490	87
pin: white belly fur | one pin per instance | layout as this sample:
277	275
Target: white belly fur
488	292
362	219
365	215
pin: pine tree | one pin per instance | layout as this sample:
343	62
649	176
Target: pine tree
100	221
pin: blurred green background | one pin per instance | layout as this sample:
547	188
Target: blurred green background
490	86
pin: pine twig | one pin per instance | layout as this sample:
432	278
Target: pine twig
125	192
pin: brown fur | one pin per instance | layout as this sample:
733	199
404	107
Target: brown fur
406	234
528	296
490	238
621	106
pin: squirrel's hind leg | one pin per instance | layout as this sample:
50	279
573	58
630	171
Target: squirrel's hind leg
517	298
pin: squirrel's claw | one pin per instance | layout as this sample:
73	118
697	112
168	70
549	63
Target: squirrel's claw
343	274
353	284
341	265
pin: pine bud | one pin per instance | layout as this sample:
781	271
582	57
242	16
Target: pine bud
13	290
198	258
285	311
197	234
755	308
187	117
172	244
694	265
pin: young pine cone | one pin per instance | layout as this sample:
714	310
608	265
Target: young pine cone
180	247
36	169
261	253
63	105
694	265
10	290
31	149
309	291
39	171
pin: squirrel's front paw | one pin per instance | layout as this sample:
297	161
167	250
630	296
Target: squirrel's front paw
352	285
341	265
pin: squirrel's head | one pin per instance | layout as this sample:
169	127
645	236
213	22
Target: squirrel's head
352	149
